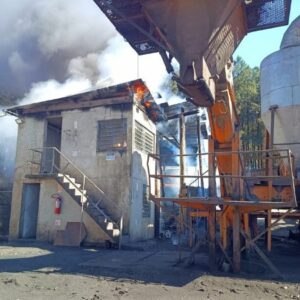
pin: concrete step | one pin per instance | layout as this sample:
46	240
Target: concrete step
116	233
61	175
75	193
95	208
79	192
74	185
110	226
65	178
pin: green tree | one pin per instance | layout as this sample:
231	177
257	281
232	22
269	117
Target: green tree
247	89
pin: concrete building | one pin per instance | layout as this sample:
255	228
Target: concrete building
280	86
90	151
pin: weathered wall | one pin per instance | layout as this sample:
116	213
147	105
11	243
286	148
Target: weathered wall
121	179
48	222
30	135
141	224
79	140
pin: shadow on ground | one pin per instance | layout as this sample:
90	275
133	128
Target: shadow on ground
151	266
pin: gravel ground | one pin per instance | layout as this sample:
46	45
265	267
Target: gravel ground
42	271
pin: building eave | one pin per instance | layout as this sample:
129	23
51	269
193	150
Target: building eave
113	95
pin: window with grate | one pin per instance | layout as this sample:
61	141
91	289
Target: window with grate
112	135
144	138
146	203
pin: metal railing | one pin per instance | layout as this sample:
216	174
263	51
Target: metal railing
263	177
51	161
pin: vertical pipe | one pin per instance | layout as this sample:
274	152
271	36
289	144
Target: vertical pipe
183	191
158	189
180	228
212	169
182	152
81	200
212	208
121	232
268	236
273	110
200	156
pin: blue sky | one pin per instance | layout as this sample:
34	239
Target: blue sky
257	45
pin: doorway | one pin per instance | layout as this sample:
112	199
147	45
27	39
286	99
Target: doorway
29	210
50	162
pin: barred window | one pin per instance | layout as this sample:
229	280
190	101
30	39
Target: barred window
112	135
144	138
146	203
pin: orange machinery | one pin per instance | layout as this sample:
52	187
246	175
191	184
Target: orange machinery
202	36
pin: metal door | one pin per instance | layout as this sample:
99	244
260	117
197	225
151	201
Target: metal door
29	211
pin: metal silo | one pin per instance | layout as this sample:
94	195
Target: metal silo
280	89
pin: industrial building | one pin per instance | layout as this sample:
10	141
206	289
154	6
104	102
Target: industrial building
202	36
82	160
89	162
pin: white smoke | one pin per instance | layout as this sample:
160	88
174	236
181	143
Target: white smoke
48	49
8	126
52	89
52	49
117	63
39	38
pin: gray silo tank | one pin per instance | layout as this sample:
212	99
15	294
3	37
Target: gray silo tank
280	85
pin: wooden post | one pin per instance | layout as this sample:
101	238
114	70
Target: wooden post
236	240
247	228
269	232
182	142
191	239
212	238
180	227
224	229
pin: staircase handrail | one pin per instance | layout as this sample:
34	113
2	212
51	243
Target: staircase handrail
41	150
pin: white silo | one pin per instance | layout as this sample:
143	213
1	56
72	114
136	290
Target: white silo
280	85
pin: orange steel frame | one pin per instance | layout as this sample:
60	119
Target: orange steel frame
203	46
225	155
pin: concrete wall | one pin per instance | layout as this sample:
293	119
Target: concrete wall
48	222
79	141
141	227
30	135
280	85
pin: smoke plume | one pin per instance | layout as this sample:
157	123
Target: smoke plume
51	49
39	38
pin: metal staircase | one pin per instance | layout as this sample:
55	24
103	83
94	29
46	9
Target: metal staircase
50	162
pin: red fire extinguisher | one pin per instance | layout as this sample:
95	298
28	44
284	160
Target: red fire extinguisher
58	203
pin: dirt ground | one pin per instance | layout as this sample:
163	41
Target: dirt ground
41	271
